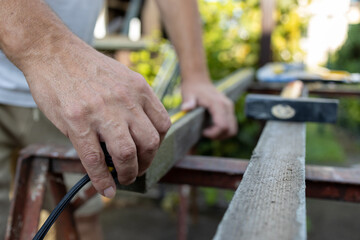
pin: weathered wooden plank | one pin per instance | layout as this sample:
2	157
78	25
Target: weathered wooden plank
270	201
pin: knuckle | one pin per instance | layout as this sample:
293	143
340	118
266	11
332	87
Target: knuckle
127	153
121	94
230	103
223	125
96	101
226	102
92	159
153	144
164	125
140	83
140	79
119	91
75	112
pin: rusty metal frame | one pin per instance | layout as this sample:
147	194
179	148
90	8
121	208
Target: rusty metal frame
323	182
28	199
41	164
33	175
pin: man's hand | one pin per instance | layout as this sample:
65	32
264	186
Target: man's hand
92	98
203	93
88	96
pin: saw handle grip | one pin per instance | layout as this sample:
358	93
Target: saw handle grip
108	160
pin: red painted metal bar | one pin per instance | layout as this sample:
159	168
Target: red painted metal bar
207	171
182	216
213	172
321	182
333	183
30	183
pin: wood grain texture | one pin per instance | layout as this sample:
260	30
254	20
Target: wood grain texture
270	201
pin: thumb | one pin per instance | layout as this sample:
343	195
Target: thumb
188	103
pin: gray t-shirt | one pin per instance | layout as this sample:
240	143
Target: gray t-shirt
79	16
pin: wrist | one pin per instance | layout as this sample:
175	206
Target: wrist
48	50
196	76
194	68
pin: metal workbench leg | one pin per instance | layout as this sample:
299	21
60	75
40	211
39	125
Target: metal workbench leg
30	181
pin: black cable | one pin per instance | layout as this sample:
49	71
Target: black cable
60	207
70	195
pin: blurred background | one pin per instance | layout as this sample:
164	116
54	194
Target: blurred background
238	34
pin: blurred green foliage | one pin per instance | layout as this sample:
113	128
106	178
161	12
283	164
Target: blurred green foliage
290	27
147	62
348	58
349	114
231	33
322	145
212	195
231	36
348	55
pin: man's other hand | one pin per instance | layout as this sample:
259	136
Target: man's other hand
201	92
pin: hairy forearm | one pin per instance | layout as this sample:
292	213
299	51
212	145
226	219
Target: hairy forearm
30	30
183	24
